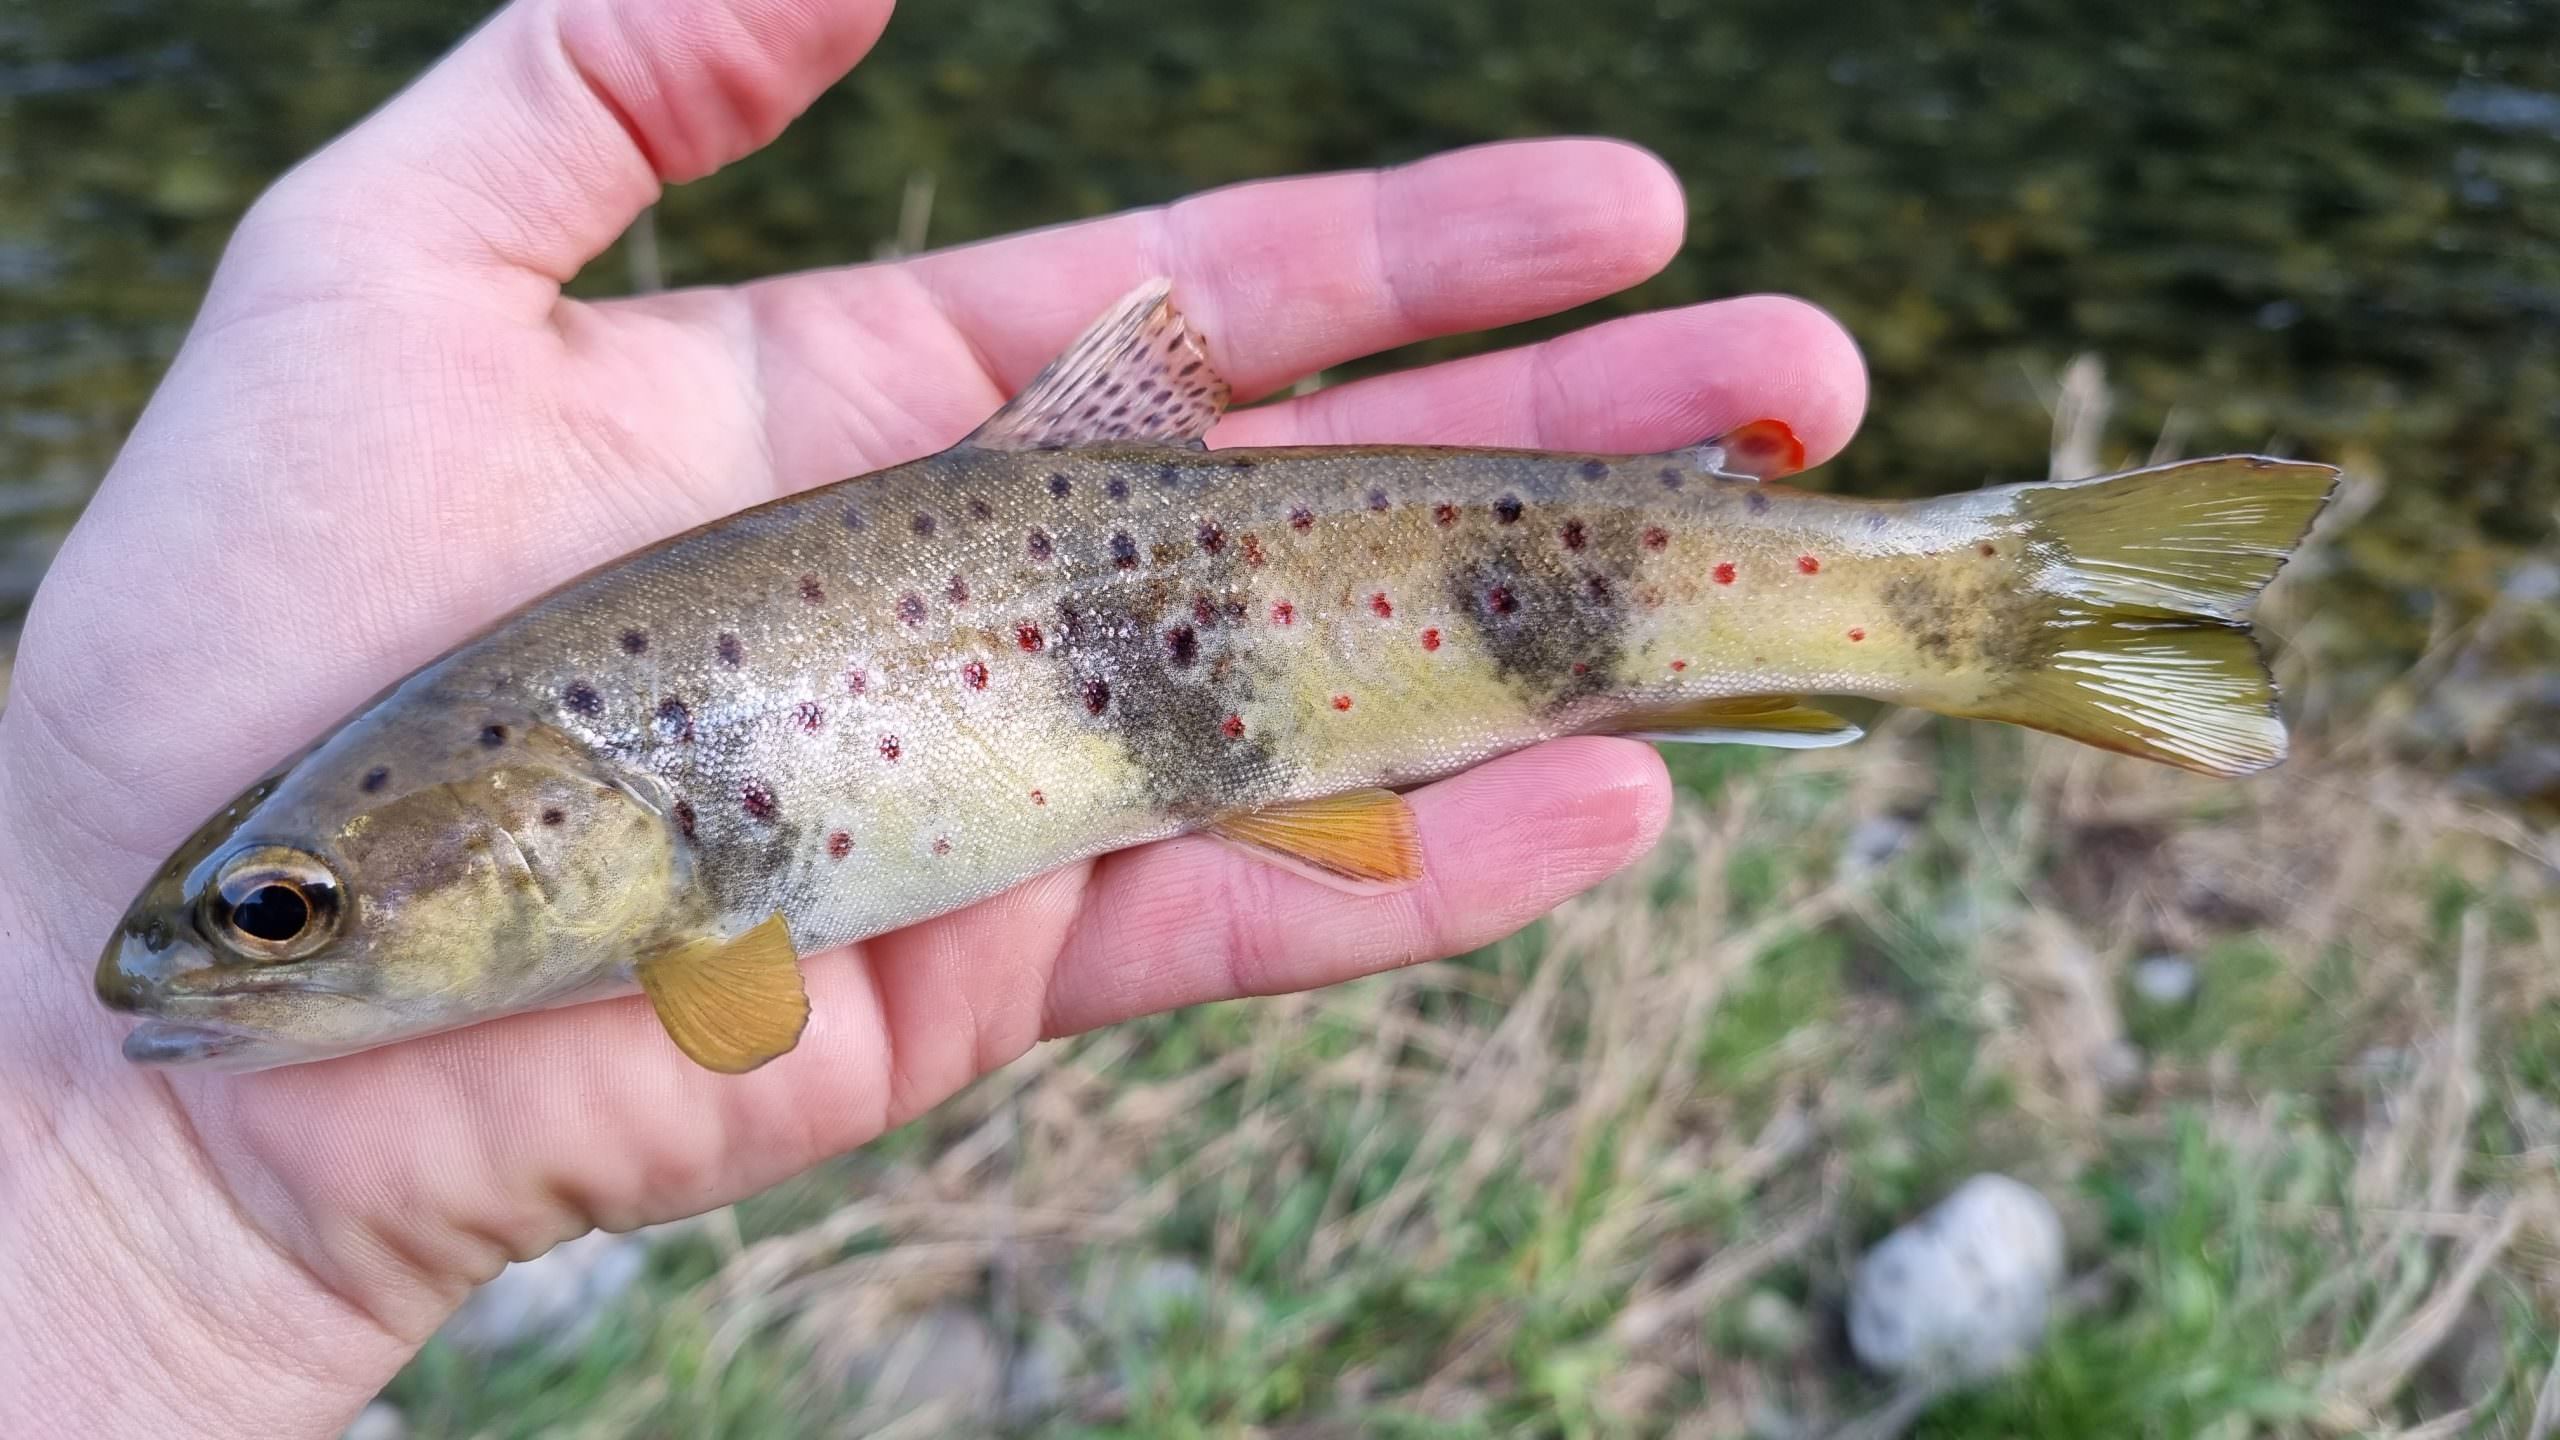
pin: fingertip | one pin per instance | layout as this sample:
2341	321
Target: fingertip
1578	809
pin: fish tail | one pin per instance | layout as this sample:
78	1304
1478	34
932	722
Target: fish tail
2157	571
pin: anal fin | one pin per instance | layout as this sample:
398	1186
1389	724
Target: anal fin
733	1004
1364	841
1139	373
1777	720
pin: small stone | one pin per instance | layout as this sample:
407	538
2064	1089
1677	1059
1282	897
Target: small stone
1964	1290
947	1358
1143	1294
2164	981
557	1296
1036	1383
380	1420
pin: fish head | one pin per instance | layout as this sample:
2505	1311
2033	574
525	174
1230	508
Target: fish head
415	872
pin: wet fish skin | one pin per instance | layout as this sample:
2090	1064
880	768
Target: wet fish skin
868	704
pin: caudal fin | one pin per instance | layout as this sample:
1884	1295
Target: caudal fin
2158	570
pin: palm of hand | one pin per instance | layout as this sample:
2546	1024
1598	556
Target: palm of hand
388	428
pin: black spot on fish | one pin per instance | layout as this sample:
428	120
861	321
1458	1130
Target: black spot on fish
731	653
1182	645
978	510
635	642
553	815
1672	479
1378	500
1116	488
922	524
375	779
582	699
1124	551
1756	501
1061	486
1548	629
853	517
1096	693
674	721
1925	612
911	608
492	736
1507	509
958	590
684	818
1038	546
1212	539
1302	519
1594	469
1169	475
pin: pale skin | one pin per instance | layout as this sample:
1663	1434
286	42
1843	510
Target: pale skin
388	427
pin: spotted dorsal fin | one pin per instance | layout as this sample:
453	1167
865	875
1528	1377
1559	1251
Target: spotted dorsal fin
1138	374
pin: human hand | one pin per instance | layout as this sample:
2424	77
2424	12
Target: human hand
388	427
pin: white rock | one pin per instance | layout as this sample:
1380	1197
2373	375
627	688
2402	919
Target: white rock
2165	980
1965	1289
555	1297
948	1359
380	1420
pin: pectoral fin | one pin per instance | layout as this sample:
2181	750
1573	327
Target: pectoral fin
1364	842
1779	720
730	1004
1138	374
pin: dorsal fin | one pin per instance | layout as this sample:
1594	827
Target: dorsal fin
1138	374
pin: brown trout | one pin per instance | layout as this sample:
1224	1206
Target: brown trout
1080	630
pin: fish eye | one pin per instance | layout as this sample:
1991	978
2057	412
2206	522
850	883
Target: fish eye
272	903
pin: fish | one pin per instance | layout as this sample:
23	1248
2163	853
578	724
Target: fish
1079	630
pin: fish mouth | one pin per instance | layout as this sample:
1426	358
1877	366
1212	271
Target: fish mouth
170	1042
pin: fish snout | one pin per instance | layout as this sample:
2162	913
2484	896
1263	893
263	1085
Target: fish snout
138	964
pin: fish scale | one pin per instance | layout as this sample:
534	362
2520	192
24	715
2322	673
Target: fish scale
1078	631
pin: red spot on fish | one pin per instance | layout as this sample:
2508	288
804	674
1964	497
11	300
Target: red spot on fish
1039	799
1649	596
1444	515
1284	613
1807	564
1581	667
1212	539
1989	549
1028	637
1500	601
1678	665
888	747
839	845
811	590
809	716
1252	549
1724	572
941	844
1430	639
1381	607
1856	635
1097	696
1204	610
1574	535
974	674
757	798
958	590
1232	727
1655	537
1341	702
1302	519
855	682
